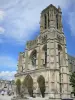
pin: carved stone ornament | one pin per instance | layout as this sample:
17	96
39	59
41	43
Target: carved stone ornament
60	39
44	39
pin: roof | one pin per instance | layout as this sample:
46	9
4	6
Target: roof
49	7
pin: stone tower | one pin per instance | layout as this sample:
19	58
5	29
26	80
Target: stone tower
51	25
51	17
47	56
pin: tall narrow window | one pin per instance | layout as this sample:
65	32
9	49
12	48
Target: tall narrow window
45	56
48	19
34	60
57	21
45	21
33	57
45	53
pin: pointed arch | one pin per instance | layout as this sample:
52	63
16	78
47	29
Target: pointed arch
28	81
41	83
59	47
29	84
33	57
57	20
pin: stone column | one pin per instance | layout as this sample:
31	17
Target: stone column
48	54
47	20
52	20
41	23
26	61
39	57
60	26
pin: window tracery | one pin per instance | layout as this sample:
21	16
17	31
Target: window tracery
33	57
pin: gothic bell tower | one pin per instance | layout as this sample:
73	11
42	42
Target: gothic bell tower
46	56
51	17
57	59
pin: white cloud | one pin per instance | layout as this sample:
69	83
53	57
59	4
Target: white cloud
2	14
2	30
7	61
8	75
23	16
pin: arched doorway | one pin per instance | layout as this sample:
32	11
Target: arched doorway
41	83
29	84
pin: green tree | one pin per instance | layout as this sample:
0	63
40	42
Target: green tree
18	86
72	82
41	83
23	87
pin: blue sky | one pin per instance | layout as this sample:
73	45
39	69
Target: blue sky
19	22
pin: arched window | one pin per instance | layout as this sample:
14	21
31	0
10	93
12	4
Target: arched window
45	54
33	57
59	52
59	48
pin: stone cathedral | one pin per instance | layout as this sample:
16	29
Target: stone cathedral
47	56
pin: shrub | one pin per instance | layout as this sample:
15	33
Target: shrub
18	86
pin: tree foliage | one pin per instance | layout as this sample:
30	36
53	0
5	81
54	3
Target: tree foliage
41	82
24	83
18	86
72	81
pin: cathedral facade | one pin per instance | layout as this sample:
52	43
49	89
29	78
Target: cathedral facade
47	56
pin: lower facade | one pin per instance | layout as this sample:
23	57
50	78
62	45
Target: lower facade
54	89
